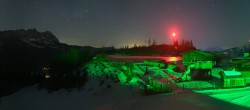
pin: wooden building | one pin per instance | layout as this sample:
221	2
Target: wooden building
197	55
232	79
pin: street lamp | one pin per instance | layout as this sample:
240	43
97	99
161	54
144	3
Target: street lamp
174	37
173	34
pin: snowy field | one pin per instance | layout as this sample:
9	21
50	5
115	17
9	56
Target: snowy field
114	98
238	96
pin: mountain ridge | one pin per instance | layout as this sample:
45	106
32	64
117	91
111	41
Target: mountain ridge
238	51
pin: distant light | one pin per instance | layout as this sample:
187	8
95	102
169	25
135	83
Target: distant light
173	59
173	34
47	76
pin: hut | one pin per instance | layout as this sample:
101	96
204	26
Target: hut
197	55
232	79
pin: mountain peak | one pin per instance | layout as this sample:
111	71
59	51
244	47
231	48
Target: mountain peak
31	37
213	49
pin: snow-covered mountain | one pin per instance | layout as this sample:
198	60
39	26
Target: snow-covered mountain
214	49
25	53
238	51
31	37
31	49
45	39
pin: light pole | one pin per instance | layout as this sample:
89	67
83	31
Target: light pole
175	43
174	37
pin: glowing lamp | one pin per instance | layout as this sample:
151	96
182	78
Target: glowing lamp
173	34
173	59
47	76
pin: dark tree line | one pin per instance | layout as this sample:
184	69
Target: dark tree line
152	48
184	45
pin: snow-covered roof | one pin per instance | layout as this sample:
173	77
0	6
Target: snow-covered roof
232	73
204	53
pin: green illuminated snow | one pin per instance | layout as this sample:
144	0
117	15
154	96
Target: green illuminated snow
238	96
127	73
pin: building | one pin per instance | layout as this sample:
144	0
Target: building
197	55
232	79
245	54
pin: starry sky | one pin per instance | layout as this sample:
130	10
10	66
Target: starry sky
209	23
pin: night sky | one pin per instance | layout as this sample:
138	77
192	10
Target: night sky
209	23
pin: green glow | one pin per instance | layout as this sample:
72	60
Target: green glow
156	86
129	74
233	79
122	78
238	96
246	55
232	73
73	56
234	82
197	55
205	65
153	63
196	59
100	66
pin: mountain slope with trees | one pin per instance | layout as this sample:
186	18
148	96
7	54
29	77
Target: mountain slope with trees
24	54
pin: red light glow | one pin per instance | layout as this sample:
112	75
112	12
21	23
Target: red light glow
173	34
173	59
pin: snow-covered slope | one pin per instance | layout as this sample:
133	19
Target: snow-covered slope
102	93
118	98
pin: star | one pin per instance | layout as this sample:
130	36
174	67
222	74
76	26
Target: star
86	11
